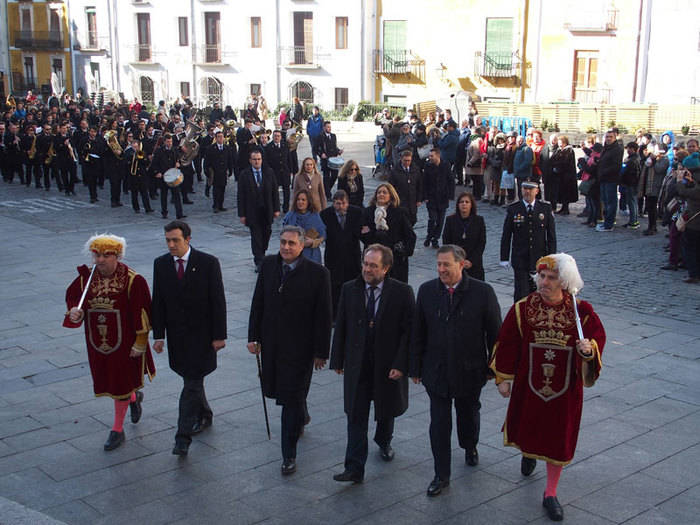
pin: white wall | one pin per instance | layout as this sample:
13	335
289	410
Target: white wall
4	54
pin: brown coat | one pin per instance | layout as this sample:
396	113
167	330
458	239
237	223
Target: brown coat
315	187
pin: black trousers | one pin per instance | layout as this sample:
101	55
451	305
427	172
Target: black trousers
68	177
292	423
436	219
164	198
358	423
11	170
188	182
284	180
260	232
139	186
523	283
468	423
329	177
90	174
193	408
219	184
35	170
115	185
46	170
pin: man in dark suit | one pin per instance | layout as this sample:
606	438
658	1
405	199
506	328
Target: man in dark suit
407	180
189	307
220	159
343	253
327	148
204	143
164	159
455	327
290	324
370	347
258	204
529	224
438	191
277	157
246	142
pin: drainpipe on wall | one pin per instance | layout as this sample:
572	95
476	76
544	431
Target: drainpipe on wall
363	60
115	51
194	52
537	53
72	52
645	54
523	64
636	55
278	52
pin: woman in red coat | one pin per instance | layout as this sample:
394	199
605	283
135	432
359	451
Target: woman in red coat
548	358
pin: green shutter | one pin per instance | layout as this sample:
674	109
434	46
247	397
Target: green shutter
499	41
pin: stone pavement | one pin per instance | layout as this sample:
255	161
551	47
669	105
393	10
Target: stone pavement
637	455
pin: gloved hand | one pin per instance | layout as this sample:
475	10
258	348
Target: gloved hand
504	264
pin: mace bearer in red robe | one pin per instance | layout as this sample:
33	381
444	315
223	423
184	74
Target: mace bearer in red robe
549	347
115	303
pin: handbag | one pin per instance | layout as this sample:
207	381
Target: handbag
585	186
673	205
681	221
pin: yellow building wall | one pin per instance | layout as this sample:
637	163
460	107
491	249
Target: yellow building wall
42	63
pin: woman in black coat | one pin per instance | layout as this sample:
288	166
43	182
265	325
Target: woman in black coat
384	222
467	229
563	166
350	180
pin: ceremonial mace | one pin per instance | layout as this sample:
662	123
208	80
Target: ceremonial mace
267	419
85	290
574	291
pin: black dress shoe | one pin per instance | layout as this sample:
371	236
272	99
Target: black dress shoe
114	440
223	209
426	242
201	425
349	475
471	457
135	407
164	214
289	466
527	466
181	216
386	453
554	510
437	485
188	201
149	211
216	210
181	448
206	191
435	244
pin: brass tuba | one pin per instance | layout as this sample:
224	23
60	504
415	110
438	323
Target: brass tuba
294	137
113	143
188	143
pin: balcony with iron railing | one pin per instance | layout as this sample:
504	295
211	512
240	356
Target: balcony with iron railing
603	21
38	39
90	41
211	54
301	56
592	95
497	65
144	54
398	62
21	84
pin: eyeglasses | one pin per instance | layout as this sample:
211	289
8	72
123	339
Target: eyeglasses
354	169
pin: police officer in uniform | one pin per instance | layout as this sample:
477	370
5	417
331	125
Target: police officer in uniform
220	159
529	226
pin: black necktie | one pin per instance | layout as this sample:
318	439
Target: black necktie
342	220
371	304
529	209
285	271
257	177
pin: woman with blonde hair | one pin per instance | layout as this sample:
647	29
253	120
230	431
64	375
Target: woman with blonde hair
311	180
350	180
384	222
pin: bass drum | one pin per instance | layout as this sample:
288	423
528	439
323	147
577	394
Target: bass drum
173	177
335	163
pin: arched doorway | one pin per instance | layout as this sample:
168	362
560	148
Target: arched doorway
147	95
303	90
212	90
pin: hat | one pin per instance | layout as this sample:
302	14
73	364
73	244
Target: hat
565	265
513	134
106	244
529	184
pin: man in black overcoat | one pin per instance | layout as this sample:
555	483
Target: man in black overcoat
327	148
454	330
277	157
529	225
220	159
290	326
407	180
189	307
438	191
370	349
343	254
258	204
165	158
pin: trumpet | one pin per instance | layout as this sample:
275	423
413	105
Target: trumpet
88	146
138	157
262	131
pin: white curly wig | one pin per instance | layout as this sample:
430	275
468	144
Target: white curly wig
565	265
105	243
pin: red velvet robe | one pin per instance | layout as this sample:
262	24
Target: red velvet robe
536	348
117	311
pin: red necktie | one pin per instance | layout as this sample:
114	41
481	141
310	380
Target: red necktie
451	291
180	268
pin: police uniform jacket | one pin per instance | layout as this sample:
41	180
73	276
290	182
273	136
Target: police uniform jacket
532	235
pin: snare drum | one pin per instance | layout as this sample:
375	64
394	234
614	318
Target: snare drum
173	177
335	163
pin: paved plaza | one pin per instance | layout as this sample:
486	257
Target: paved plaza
638	451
